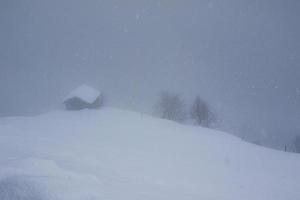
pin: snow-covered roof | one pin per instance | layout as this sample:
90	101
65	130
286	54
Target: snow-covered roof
85	93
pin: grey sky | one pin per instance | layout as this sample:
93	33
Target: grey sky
242	56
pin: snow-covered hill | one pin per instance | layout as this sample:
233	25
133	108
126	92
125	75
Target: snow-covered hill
112	154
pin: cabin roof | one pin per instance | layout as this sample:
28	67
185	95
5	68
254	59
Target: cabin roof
85	93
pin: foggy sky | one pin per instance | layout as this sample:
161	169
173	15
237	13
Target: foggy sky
241	56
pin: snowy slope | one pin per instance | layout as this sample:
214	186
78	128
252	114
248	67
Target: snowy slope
112	154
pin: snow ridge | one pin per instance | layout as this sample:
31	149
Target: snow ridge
114	154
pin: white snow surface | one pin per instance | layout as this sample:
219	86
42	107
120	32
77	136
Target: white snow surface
85	93
118	155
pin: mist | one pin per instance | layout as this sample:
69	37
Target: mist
240	56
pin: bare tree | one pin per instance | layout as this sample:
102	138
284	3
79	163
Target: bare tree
297	143
170	106
201	113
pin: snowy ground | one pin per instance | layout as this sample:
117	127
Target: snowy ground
112	154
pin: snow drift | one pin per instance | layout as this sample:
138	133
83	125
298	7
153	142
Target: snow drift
114	154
